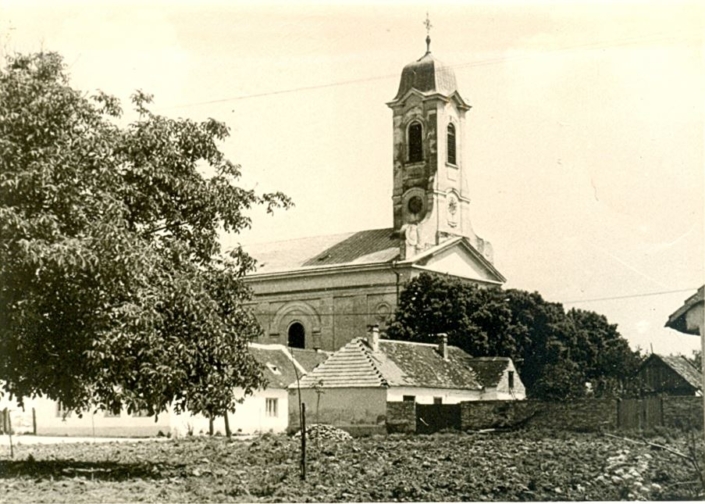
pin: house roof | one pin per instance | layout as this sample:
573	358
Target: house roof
396	364
362	247
678	321
309	359
351	366
280	366
681	366
489	369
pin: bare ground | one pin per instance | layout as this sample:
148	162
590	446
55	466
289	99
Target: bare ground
499	466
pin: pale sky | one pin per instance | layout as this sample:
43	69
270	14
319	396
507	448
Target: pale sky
585	137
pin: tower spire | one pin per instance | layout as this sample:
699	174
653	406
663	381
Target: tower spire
428	25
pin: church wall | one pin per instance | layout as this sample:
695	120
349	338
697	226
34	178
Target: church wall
333	308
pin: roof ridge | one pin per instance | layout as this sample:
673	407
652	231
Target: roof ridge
308	237
356	347
368	353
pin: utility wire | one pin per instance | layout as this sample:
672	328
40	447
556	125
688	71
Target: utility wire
378	315
693	289
493	61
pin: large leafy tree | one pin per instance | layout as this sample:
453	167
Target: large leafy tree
113	290
555	352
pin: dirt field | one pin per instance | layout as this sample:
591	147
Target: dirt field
444	467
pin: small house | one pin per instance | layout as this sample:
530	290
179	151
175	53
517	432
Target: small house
266	410
669	374
353	386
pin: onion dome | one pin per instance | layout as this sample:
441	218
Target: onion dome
427	75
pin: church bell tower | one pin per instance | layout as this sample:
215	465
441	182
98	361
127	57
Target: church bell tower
430	197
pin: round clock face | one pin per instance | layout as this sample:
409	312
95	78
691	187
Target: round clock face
415	204
452	206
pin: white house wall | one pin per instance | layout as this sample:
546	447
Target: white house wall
426	395
50	422
249	417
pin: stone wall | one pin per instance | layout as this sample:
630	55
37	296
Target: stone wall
684	412
582	415
401	417
579	415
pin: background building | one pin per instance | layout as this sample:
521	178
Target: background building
317	292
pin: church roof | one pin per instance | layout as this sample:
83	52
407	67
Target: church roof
427	74
362	247
396	364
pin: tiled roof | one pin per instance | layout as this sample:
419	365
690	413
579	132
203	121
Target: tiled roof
421	365
685	369
489	369
397	363
277	363
309	359
351	366
677	320
362	247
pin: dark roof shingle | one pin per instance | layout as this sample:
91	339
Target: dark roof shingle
362	247
685	369
489	369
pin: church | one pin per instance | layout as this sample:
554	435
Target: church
321	292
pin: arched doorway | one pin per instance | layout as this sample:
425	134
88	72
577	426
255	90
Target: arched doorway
297	335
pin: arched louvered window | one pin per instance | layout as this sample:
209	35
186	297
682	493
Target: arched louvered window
297	335
451	144
415	143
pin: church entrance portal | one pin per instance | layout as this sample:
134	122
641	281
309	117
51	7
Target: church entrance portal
297	335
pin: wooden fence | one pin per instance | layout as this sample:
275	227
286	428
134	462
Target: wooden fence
641	413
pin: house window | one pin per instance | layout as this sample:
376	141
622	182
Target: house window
437	400
409	398
141	413
272	407
110	414
297	335
415	143
510	376
273	368
451	144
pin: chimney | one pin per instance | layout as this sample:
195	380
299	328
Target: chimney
443	345
373	337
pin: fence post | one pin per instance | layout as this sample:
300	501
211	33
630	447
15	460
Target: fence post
9	433
34	421
303	441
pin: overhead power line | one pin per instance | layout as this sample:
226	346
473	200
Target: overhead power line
492	61
629	296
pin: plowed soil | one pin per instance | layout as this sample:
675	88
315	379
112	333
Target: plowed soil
498	466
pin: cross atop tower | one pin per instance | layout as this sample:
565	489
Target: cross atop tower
428	25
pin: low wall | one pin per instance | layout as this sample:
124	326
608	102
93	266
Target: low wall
401	417
580	415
